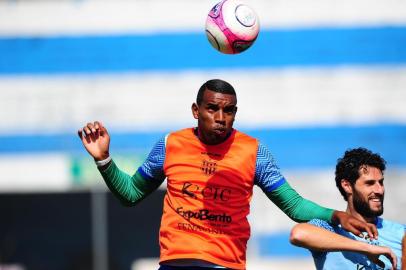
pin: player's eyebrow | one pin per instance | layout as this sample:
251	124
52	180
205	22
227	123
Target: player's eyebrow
230	107
212	105
371	181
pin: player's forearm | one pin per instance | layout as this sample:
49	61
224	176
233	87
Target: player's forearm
318	239
128	189
296	207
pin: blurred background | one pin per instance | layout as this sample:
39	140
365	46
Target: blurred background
322	77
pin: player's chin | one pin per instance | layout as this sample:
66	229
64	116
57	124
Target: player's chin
377	211
218	137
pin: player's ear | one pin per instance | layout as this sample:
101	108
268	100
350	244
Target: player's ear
346	185
195	111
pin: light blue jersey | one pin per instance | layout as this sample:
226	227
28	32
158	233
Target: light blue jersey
390	235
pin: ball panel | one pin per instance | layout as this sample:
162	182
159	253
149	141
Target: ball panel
245	15
217	37
216	10
241	45
212	39
240	19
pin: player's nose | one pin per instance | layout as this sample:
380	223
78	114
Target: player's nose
219	117
379	188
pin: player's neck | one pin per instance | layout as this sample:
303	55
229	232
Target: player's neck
350	210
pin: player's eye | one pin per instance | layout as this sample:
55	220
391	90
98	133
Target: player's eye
212	108
229	109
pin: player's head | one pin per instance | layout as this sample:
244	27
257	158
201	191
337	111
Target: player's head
215	109
359	177
215	85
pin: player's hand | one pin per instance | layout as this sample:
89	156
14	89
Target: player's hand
96	140
354	225
375	251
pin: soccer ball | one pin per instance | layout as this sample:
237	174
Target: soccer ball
231	26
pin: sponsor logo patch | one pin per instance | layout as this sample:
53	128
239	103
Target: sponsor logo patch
203	215
215	193
208	167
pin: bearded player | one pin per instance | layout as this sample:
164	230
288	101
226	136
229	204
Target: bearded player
359	178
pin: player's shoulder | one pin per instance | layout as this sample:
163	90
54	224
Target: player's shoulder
243	135
322	224
390	225
185	134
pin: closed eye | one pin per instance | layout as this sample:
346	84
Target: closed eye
229	109
212	107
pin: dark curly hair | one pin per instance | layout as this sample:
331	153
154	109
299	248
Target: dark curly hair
215	85
348	166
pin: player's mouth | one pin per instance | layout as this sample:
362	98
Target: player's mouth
220	131
377	201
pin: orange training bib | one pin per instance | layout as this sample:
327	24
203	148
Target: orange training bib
207	201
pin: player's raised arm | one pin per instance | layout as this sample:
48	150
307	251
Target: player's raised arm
300	209
269	178
319	239
128	189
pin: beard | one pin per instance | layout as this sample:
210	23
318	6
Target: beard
363	208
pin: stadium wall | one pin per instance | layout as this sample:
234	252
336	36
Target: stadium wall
323	76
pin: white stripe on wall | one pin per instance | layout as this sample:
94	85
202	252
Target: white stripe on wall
35	173
95	16
161	101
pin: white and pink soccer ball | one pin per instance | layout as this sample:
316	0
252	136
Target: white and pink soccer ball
232	26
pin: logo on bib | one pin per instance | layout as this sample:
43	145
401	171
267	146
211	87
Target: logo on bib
208	167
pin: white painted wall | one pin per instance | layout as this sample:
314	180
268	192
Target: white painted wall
102	16
162	101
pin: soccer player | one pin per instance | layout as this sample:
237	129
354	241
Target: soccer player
359	178
210	171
